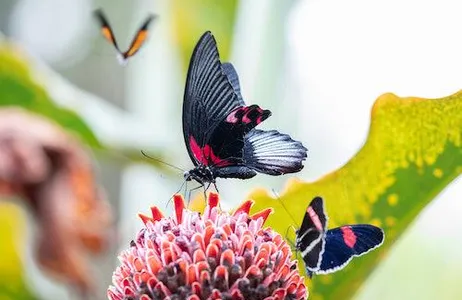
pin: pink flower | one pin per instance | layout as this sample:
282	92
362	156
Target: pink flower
211	256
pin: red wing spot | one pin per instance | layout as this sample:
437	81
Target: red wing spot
197	151
315	218
231	118
210	156
258	120
349	237
205	155
246	119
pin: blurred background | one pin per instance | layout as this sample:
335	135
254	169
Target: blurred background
317	65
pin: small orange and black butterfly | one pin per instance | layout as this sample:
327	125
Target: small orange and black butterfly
137	42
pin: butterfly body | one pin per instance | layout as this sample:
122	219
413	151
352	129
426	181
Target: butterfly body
325	250
219	128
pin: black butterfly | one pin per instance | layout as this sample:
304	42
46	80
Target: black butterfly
219	129
138	41
327	251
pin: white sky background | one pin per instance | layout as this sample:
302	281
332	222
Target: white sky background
344	55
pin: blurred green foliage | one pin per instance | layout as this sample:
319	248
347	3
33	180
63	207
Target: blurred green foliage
17	88
413	151
198	16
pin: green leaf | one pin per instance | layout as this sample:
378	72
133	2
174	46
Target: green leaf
194	17
412	152
18	88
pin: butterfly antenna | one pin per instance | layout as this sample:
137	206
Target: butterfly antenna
163	162
282	204
184	182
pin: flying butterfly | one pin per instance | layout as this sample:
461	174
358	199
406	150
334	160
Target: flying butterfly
137	42
326	251
219	128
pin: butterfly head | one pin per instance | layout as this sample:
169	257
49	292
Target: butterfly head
201	174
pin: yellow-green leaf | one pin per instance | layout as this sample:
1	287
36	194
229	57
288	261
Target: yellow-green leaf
12	225
412	152
18	88
194	17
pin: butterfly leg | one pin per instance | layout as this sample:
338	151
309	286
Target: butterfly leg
190	191
215	186
185	188
205	191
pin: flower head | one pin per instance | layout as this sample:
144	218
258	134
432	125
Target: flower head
211	256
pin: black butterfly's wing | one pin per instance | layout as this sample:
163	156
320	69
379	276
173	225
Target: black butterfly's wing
273	153
139	39
311	235
344	243
215	118
233	78
209	97
106	29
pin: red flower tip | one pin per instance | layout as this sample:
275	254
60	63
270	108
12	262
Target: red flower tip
210	256
179	206
262	214
244	208
145	218
213	199
156	213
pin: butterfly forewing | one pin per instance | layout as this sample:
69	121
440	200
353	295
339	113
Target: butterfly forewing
215	118
106	29
311	235
233	78
139	39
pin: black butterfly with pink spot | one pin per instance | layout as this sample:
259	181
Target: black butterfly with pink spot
219	129
326	251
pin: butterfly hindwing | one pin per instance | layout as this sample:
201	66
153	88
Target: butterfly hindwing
310	238
345	242
273	153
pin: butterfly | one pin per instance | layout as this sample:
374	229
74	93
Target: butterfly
326	251
137	42
219	128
